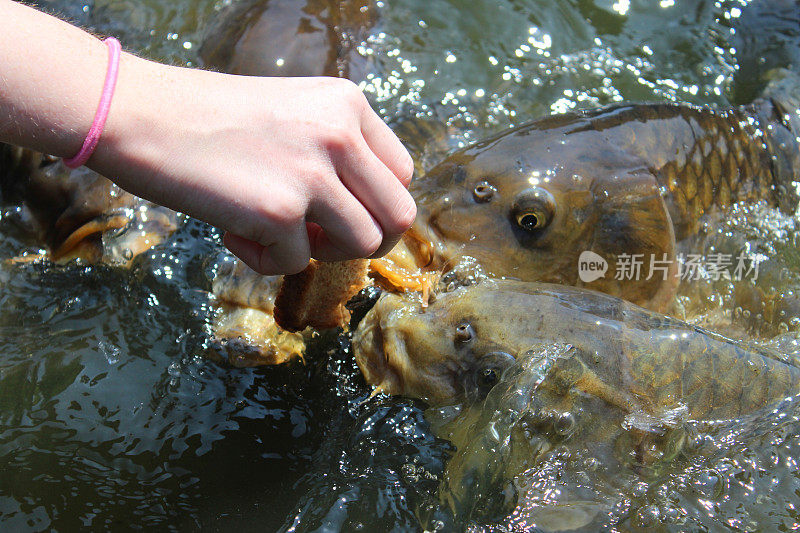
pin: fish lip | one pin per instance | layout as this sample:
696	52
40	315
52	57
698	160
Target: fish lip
376	351
369	353
443	251
382	353
431	224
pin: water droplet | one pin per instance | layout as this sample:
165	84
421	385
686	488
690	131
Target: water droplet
110	352
647	517
565	424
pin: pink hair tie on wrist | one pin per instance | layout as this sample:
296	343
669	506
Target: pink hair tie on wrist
93	137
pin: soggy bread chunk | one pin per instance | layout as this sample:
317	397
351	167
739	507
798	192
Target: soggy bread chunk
316	297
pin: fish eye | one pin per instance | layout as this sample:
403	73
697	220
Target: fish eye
533	209
491	370
483	191
488	377
532	221
495	364
464	333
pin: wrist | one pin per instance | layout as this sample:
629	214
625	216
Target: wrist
160	127
103	107
138	121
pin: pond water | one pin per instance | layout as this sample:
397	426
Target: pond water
111	417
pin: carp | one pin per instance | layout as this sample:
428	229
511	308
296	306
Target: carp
538	377
627	181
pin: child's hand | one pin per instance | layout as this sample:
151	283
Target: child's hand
291	168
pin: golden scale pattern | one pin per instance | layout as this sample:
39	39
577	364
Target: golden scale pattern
727	163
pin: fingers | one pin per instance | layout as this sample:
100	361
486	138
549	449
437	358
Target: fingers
350	231
386	146
289	254
322	248
378	189
248	251
361	212
352	203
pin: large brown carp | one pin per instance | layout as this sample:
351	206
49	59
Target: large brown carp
564	375
624	181
633	359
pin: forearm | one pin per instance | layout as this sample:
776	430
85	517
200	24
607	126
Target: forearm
51	79
51	76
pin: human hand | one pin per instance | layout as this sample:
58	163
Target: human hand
291	168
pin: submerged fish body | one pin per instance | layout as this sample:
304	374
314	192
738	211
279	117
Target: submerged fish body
633	359
79	214
565	398
624	181
291	38
244	330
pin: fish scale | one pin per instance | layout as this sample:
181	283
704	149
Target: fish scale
722	156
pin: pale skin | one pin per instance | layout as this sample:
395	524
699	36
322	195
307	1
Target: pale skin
290	168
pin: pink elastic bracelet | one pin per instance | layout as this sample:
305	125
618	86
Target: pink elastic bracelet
93	137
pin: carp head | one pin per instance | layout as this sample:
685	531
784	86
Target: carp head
446	353
527	203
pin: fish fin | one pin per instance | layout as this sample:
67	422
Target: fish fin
87	230
378	389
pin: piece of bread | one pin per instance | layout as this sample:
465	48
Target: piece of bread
316	297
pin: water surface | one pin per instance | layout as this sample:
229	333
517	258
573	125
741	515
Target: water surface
110	416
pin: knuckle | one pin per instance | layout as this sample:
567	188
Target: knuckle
258	229
319	178
341	140
263	234
406	168
286	212
350	92
263	268
257	265
404	216
367	244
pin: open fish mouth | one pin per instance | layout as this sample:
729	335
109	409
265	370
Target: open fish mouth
379	349
431	245
421	241
434	235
